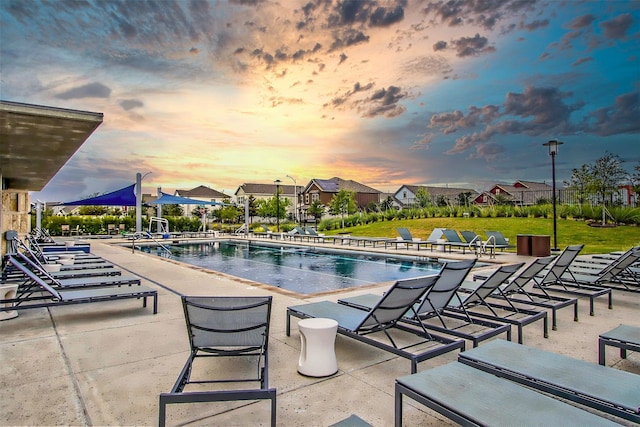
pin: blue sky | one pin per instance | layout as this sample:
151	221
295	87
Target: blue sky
460	93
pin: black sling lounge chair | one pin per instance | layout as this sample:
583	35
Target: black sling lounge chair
384	317
224	327
520	289
39	293
599	387
508	313
432	309
616	275
11	273
551	279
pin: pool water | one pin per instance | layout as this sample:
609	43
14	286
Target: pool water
302	270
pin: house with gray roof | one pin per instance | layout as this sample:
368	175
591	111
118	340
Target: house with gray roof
268	191
203	193
324	190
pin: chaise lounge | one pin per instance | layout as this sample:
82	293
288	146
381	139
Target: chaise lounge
383	318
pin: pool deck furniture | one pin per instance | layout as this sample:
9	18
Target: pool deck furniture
520	289
383	319
432	309
224	327
317	347
624	337
551	279
471	397
598	387
616	275
38	293
476	302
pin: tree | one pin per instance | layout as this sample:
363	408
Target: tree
581	181
464	198
423	198
387	204
93	210
229	213
316	209
172	210
343	202
635	180
606	175
252	207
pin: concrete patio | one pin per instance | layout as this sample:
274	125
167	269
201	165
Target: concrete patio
106	363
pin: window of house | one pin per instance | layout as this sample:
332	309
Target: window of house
306	198
315	197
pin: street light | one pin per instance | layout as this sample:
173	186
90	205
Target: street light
277	183
139	178
295	197
553	150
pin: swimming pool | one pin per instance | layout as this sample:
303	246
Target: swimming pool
304	270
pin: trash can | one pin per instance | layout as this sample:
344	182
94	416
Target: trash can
524	245
540	245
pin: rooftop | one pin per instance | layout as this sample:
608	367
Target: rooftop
107	363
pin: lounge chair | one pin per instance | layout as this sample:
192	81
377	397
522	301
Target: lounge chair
432	309
14	272
599	387
520	289
551	279
454	241
236	328
471	397
616	275
39	293
516	315
495	240
384	317
407	240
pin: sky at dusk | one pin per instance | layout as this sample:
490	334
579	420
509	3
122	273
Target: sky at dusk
387	93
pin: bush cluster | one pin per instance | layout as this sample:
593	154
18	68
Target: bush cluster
618	215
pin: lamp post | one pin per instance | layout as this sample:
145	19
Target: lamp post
277	183
139	178
553	150
295	197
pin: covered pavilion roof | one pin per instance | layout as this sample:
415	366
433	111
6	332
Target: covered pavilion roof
36	142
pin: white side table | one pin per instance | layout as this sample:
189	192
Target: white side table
8	292
317	347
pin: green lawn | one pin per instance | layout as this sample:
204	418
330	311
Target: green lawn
570	232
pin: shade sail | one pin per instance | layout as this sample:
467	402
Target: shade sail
168	199
123	197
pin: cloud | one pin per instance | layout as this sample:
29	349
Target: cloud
472	46
383	17
621	117
385	102
91	90
582	61
485	13
617	27
581	21
536	111
128	104
440	45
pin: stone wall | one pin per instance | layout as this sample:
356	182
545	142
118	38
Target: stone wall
15	214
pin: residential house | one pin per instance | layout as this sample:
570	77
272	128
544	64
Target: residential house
449	195
324	190
522	193
268	191
202	193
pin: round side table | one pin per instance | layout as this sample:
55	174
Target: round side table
317	347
